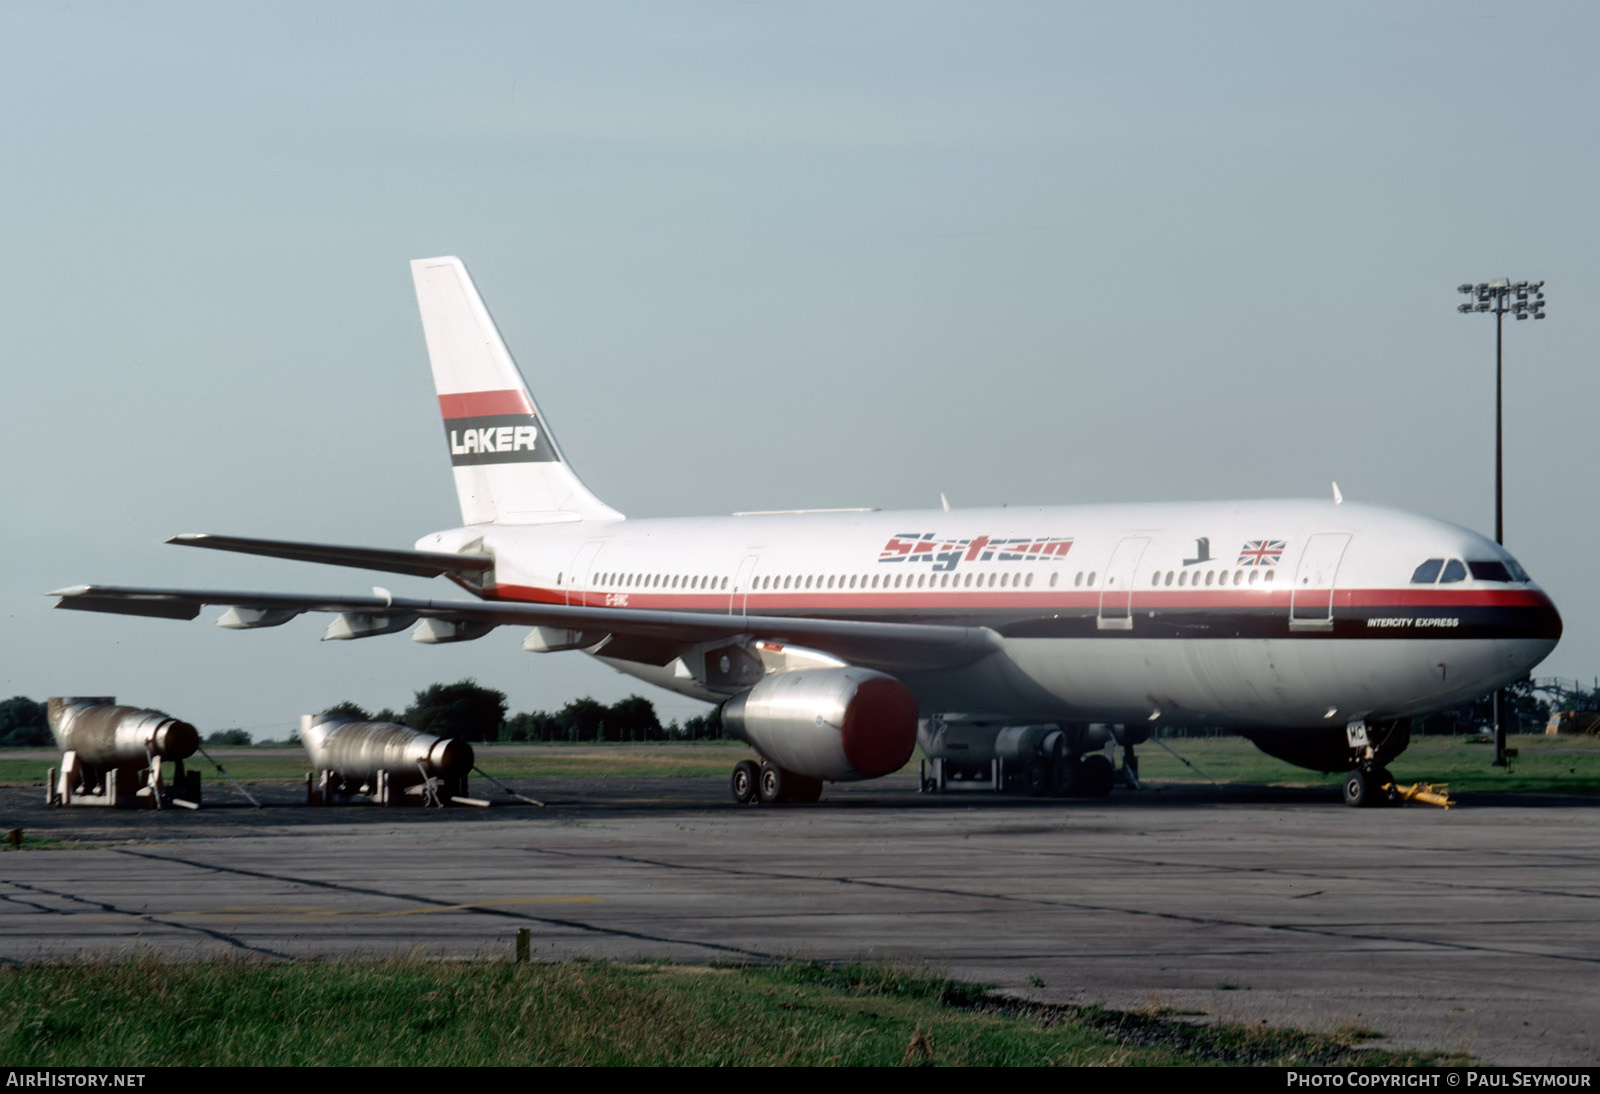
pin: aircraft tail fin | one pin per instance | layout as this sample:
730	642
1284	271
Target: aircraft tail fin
508	468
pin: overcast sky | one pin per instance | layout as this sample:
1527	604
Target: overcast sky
759	256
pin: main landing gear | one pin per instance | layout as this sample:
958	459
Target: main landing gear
770	784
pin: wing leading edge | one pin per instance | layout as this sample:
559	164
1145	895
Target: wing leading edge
888	646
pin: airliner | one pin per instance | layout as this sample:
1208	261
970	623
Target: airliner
835	640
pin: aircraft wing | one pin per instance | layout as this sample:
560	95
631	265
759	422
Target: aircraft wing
416	563
886	646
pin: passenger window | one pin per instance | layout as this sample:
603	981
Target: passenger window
1253	575
1453	571
1238	576
1053	579
1028	581
1210	574
1428	572
1183	578
1269	576
1091	579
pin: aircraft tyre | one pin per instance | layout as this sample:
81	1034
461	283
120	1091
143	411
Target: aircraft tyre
1360	789
1096	777
746	783
1381	796
1034	779
1064	777
774	785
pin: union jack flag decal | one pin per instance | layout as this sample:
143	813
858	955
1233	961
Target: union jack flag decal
1261	552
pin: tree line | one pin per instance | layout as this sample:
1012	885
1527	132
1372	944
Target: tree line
471	712
475	713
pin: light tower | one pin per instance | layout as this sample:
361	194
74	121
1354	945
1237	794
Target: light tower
1522	299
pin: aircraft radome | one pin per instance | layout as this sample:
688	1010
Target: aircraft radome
1033	635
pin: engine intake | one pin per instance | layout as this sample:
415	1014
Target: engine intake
836	724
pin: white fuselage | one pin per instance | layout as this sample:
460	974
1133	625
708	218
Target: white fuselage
1272	614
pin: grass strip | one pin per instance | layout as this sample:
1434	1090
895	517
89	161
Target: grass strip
1544	764
408	1012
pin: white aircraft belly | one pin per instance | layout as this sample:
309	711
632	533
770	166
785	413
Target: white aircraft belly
1273	683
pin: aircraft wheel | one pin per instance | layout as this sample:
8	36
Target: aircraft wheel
1359	789
1096	776
1064	777
774	785
746	782
1383	788
1034	778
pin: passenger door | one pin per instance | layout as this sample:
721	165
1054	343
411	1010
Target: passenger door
1311	600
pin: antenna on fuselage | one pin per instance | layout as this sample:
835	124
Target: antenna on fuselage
944	501
1338	498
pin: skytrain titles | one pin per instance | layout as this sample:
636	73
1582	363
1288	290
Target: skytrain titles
945	554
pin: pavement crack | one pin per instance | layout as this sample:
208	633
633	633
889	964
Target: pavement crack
503	913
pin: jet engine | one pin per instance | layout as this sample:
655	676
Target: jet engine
383	761
107	750
838	724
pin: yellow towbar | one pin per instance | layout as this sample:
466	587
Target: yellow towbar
1426	793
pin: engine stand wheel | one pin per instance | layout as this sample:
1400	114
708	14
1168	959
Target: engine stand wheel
774	785
1096	776
746	783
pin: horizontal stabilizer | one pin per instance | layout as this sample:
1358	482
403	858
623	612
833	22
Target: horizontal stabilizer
415	563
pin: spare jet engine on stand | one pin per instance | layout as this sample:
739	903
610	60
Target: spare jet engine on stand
112	755
385	762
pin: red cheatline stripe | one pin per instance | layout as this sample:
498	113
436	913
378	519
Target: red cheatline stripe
481	404
760	601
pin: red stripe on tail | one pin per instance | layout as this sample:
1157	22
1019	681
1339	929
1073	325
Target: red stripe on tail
481	404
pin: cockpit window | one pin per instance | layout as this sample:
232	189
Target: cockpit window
1454	571
1428	572
1489	571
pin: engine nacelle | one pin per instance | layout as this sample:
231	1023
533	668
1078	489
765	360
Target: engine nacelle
359	750
106	735
837	724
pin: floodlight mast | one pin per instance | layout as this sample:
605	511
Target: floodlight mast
1522	299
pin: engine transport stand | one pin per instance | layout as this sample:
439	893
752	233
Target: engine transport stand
111	756
390	788
941	780
389	763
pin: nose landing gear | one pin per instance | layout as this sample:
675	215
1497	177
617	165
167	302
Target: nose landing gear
1371	748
